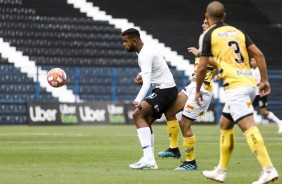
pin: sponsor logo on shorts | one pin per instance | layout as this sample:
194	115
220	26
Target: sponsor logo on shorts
249	104
202	113
191	107
157	109
153	95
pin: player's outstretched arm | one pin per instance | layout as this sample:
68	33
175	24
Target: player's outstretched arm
194	51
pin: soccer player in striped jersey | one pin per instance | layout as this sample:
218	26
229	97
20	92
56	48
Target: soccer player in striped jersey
186	102
232	48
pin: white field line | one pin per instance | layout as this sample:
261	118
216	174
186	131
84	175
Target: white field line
44	134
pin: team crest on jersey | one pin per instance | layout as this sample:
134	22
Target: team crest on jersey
191	107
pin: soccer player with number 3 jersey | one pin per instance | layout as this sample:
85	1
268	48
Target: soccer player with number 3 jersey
232	48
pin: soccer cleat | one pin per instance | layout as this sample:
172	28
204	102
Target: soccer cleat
170	152
218	175
192	165
267	177
144	164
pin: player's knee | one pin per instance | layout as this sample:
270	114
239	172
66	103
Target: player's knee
135	115
169	116
185	124
264	112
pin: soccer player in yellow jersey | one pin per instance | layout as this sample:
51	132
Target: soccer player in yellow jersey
231	48
186	102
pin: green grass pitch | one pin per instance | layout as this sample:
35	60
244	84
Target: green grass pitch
101	155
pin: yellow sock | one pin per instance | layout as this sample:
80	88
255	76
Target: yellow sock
189	147
173	129
227	141
256	143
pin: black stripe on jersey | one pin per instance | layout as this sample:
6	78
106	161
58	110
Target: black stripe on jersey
206	49
248	40
207	82
210	68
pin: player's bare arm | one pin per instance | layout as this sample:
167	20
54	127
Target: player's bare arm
264	85
212	62
197	53
194	51
201	73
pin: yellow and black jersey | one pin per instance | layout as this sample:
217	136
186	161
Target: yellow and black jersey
229	46
208	83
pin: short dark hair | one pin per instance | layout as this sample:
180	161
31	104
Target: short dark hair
216	10
131	32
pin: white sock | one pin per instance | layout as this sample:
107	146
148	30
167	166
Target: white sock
153	143
269	168
144	135
272	117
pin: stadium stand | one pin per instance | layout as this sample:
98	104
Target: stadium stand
16	88
178	23
72	41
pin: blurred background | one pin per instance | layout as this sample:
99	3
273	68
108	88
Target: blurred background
84	38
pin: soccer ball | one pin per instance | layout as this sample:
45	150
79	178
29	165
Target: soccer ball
56	77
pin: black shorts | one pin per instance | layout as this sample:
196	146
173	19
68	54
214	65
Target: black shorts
161	99
259	101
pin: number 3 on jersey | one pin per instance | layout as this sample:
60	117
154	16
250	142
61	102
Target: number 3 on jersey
239	57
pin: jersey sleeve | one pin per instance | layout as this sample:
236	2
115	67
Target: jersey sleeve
248	40
145	63
146	77
206	44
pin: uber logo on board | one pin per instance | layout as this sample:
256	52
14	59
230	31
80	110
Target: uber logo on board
38	114
88	114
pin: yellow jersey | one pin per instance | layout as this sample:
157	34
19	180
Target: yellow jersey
208	83
229	47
